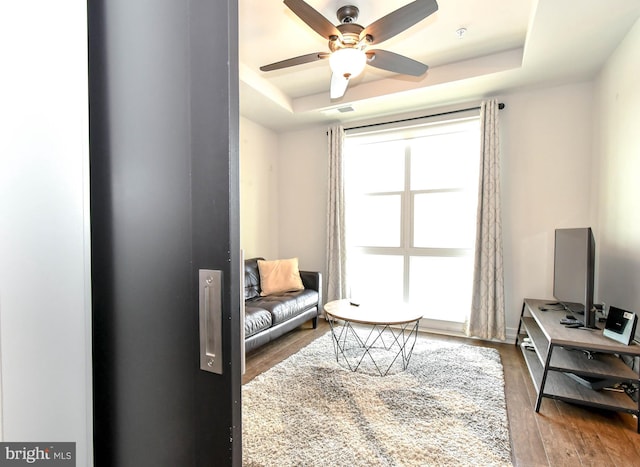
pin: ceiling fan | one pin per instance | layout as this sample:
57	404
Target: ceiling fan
348	41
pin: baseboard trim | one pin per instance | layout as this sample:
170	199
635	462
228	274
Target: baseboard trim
450	328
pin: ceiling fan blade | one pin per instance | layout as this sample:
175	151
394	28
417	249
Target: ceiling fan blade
314	20
397	63
399	20
338	85
312	57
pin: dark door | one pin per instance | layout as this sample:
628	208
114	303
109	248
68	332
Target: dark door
164	204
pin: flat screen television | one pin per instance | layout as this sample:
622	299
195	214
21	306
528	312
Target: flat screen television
573	272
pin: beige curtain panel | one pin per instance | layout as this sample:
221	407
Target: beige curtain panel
487	318
336	240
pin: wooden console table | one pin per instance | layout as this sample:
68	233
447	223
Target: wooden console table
562	356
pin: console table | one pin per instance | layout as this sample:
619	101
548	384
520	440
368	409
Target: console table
563	357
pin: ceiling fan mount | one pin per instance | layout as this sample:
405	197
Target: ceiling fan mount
348	14
348	41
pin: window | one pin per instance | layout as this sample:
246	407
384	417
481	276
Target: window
411	199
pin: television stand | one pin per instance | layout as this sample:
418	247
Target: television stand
576	365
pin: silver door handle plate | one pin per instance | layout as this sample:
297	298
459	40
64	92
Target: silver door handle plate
210	292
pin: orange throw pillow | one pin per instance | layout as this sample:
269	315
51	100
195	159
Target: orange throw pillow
281	275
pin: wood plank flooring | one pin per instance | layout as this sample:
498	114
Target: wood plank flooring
560	434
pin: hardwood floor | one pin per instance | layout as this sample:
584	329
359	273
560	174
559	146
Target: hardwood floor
559	435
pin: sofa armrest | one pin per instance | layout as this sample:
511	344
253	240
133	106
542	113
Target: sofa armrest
313	280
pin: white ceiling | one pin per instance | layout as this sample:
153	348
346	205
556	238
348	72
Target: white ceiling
509	44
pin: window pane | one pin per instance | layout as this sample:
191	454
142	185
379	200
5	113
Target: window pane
376	277
442	286
374	220
445	161
375	168
444	220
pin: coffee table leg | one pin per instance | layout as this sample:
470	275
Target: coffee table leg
340	342
406	339
405	343
403	338
336	338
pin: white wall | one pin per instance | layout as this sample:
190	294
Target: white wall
283	193
259	203
44	232
303	173
617	176
546	167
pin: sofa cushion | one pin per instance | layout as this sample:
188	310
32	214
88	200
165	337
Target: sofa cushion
281	275
287	305
256	319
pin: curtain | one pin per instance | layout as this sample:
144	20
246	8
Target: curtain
336	241
487	318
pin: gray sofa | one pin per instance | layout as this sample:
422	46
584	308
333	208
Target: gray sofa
269	317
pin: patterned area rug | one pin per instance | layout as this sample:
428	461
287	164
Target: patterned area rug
447	408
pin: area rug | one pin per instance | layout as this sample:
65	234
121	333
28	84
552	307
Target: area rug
447	408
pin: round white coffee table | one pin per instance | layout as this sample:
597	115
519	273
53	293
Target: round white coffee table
376	333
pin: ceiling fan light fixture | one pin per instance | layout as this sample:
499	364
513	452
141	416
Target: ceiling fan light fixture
349	40
348	62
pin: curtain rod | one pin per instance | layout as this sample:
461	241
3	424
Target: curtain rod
500	106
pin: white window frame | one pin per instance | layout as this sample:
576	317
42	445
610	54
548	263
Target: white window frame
407	248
